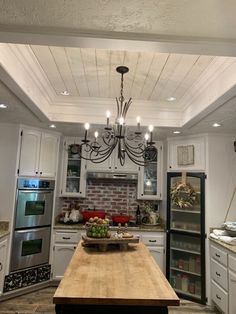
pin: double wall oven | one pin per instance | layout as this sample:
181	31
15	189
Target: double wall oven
33	215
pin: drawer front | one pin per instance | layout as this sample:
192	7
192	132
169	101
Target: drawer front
153	240
219	255
219	274
67	237
232	262
219	296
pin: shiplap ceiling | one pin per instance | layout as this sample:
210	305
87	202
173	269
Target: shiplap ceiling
91	72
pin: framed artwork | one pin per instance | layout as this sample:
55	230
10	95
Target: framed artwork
185	155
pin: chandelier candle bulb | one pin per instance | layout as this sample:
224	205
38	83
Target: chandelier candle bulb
150	130
138	122
108	116
96	135
86	126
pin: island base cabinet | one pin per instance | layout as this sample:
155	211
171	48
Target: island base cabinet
232	292
62	256
108	309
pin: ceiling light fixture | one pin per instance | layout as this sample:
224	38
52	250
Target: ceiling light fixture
137	148
216	125
65	93
3	106
176	132
171	98
52	126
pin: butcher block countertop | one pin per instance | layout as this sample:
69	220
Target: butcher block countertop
114	277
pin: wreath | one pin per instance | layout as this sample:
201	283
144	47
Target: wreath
183	195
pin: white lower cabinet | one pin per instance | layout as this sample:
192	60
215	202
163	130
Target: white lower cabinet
3	258
155	242
65	243
223	278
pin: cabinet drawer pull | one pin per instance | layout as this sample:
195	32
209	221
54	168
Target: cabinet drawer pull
217	274
219	298
152	241
217	255
0	266
66	238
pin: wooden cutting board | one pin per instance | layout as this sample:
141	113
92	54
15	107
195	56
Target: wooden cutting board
103	243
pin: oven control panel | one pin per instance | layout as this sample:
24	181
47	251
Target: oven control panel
27	183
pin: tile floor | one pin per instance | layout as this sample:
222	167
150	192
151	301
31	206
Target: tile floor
41	302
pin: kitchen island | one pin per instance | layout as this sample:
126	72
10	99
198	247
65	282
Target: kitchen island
113	282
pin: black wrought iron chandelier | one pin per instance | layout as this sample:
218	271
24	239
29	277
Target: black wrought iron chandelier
138	148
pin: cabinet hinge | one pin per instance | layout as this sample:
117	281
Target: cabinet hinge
53	247
51	275
21	133
205	176
18	171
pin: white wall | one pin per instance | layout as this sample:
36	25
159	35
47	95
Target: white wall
9	135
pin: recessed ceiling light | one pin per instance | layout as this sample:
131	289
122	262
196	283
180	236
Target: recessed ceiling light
3	106
52	126
216	125
171	98
65	93
176	132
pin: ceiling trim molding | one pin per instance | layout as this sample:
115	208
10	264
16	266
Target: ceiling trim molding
56	36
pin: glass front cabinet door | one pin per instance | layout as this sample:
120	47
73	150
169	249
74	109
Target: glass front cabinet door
74	174
150	178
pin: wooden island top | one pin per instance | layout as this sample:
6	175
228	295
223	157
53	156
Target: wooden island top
114	277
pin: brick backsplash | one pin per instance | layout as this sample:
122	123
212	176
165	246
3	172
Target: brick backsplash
111	196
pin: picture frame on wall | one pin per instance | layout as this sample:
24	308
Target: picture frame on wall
185	155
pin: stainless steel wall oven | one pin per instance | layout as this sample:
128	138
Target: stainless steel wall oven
31	239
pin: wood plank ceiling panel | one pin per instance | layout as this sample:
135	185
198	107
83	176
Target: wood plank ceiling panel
90	67
169	68
103	71
130	60
48	64
156	68
63	65
142	70
193	75
78	72
183	67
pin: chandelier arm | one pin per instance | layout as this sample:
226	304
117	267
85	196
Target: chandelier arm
135	151
118	108
126	107
135	160
99	157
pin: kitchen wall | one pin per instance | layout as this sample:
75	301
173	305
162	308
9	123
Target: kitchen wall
109	195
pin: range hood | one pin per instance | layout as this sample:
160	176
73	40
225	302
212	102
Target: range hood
112	175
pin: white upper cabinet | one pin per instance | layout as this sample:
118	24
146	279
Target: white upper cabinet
112	164
38	153
186	154
150	177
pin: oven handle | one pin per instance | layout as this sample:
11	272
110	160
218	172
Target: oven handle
36	191
33	230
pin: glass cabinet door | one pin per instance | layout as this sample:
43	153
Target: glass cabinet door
185	206
185	264
150	179
74	181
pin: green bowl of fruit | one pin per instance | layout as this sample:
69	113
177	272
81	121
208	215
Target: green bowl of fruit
97	228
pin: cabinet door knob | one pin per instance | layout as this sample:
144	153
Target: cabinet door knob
41	172
0	266
36	172
218	297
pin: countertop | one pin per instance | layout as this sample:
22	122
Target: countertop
229	247
4	228
80	226
114	277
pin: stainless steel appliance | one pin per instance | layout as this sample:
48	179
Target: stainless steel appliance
34	203
30	247
31	239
